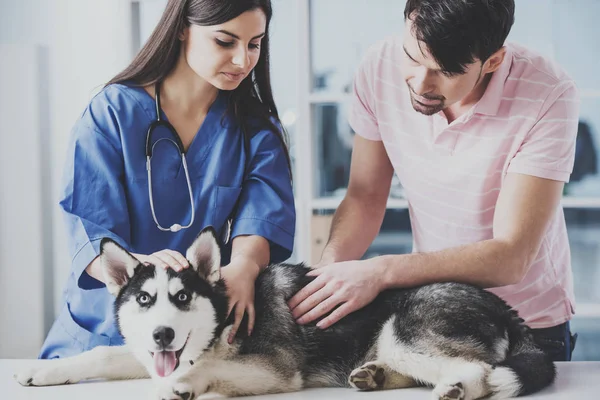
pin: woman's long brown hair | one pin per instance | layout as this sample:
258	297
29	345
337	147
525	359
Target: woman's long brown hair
252	99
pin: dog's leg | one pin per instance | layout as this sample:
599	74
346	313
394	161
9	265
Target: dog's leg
102	362
243	376
377	375
453	378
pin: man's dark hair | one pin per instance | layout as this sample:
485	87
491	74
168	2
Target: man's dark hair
458	32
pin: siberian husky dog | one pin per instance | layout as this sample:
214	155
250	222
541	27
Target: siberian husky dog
462	341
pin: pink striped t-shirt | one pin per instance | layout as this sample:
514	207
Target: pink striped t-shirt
526	122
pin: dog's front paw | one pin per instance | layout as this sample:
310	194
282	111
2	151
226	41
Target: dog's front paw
177	391
43	376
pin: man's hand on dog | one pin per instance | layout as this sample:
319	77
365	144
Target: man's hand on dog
350	285
240	276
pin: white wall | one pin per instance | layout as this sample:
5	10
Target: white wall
26	290
22	258
82	43
90	43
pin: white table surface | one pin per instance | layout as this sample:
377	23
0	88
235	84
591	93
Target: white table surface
575	381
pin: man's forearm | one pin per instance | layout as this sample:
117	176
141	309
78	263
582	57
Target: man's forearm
355	224
489	263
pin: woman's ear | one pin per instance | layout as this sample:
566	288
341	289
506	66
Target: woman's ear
184	33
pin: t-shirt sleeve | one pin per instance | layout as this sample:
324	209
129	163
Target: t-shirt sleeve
362	107
93	199
266	205
548	150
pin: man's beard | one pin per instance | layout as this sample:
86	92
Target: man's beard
427	109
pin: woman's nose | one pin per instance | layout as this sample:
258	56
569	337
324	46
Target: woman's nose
241	58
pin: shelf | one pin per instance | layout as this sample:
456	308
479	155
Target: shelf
580	202
587	310
328	97
332	203
589	93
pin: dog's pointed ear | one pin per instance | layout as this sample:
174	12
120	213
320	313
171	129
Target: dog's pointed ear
205	255
117	263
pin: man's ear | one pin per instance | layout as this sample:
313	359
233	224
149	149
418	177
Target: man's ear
205	255
494	61
117	263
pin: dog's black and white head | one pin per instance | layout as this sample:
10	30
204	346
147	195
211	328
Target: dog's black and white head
167	317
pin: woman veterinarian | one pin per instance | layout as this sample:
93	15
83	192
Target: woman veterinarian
185	137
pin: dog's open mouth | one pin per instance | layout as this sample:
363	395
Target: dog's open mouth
165	362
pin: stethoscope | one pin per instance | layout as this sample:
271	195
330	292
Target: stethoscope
226	236
177	143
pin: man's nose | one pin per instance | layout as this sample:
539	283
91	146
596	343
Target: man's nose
422	82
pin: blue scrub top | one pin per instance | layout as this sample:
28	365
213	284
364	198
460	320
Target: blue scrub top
106	195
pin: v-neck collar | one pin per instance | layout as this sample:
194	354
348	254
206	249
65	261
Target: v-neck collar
206	129
207	133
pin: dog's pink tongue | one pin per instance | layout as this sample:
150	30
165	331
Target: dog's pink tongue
164	362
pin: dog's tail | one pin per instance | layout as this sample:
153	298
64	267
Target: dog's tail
526	368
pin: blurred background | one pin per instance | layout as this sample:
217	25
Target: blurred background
55	55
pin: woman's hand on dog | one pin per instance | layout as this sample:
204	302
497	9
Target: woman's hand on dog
164	259
350	285
240	276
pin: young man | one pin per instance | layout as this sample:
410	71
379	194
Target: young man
482	136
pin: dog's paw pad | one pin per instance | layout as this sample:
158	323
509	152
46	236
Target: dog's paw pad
180	391
185	395
368	377
449	392
179	396
25	378
41	377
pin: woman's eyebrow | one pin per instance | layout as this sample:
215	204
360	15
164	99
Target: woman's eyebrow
237	37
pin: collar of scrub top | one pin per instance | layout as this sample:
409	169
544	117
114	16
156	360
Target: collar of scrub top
150	148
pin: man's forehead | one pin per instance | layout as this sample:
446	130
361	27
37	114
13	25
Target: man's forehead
418	52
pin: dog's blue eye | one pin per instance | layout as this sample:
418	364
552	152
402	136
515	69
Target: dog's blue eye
182	297
143	298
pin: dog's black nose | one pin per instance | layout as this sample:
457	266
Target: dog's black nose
163	336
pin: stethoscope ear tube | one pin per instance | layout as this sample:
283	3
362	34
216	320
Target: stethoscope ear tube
149	149
163	123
